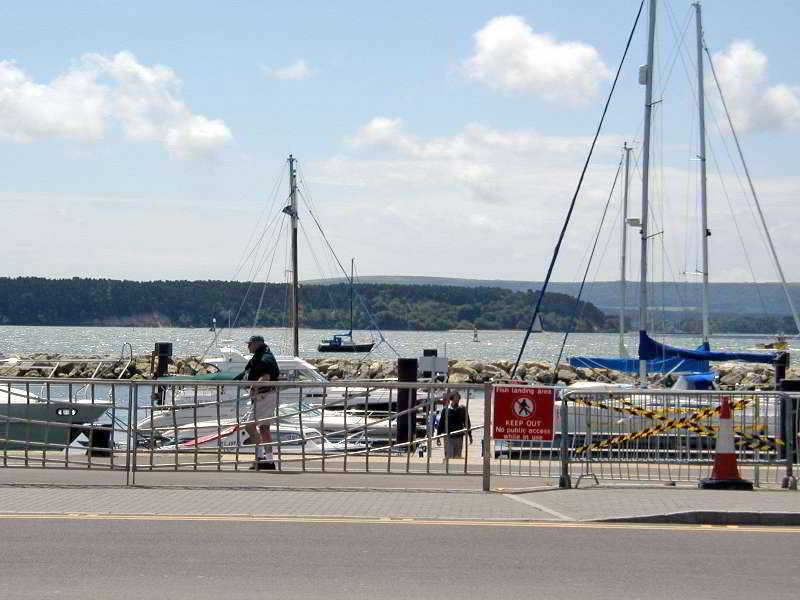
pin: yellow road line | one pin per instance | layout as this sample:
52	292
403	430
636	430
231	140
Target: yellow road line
393	521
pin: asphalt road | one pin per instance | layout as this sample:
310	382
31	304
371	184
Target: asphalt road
153	557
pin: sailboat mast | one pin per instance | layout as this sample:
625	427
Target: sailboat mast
295	299
352	262
646	77
704	232
623	253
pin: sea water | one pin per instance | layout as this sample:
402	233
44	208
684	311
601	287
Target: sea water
490	345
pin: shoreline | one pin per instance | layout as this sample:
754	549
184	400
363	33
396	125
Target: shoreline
731	376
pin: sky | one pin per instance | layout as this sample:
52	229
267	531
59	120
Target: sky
148	140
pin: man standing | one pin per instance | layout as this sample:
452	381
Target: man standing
263	401
453	422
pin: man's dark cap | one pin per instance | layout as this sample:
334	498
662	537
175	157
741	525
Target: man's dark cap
255	338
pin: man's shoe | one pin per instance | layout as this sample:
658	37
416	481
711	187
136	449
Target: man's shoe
264	465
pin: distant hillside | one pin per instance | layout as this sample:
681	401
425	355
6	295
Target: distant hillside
726	298
39	301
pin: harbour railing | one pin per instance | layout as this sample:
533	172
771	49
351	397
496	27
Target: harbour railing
385	427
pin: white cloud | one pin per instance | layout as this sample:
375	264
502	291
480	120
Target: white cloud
98	91
491	202
510	56
299	69
754	106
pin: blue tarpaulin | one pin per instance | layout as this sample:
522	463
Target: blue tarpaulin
667	359
650	349
631	365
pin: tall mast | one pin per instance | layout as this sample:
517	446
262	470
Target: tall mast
293	215
704	232
352	262
623	253
646	77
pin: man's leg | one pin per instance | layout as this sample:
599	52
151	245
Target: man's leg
458	444
265	414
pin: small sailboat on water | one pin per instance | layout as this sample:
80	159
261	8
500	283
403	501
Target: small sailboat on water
343	342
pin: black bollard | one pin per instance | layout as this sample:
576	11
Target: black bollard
162	354
406	399
788	419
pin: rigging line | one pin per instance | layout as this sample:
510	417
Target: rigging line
342	269
679	42
691	81
268	227
325	237
610	237
319	268
574	318
266	281
259	261
250	284
741	184
753	190
268	209
577	191
738	232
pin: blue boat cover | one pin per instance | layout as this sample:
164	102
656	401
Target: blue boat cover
650	349
666	359
631	365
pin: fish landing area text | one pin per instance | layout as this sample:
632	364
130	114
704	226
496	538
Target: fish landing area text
523	413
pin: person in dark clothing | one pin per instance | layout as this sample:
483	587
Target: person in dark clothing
455	419
263	400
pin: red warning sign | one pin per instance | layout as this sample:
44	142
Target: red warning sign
523	413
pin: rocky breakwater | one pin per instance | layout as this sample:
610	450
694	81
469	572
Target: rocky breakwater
41	364
732	376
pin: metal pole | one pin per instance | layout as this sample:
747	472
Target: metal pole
295	300
646	77
352	264
564	481
487	436
623	254
789	404
704	232
131	441
133	424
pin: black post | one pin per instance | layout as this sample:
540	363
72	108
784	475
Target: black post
163	354
781	364
406	399
788	425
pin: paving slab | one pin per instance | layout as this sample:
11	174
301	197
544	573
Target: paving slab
380	495
264	503
673	505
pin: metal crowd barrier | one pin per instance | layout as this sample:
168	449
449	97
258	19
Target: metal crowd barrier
361	427
670	436
164	425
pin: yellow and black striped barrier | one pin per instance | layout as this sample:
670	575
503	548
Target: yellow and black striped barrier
690	422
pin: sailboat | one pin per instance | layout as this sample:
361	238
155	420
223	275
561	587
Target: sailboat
343	342
655	357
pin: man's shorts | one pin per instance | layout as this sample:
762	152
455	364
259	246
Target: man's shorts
262	407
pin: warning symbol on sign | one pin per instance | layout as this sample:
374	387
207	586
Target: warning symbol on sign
524	407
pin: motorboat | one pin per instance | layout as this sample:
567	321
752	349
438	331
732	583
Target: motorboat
199	403
32	422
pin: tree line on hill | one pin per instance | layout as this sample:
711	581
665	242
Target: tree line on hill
108	302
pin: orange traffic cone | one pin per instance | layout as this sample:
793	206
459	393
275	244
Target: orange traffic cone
725	474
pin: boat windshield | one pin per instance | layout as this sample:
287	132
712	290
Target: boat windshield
301	375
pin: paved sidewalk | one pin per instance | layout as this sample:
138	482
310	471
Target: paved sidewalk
434	497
